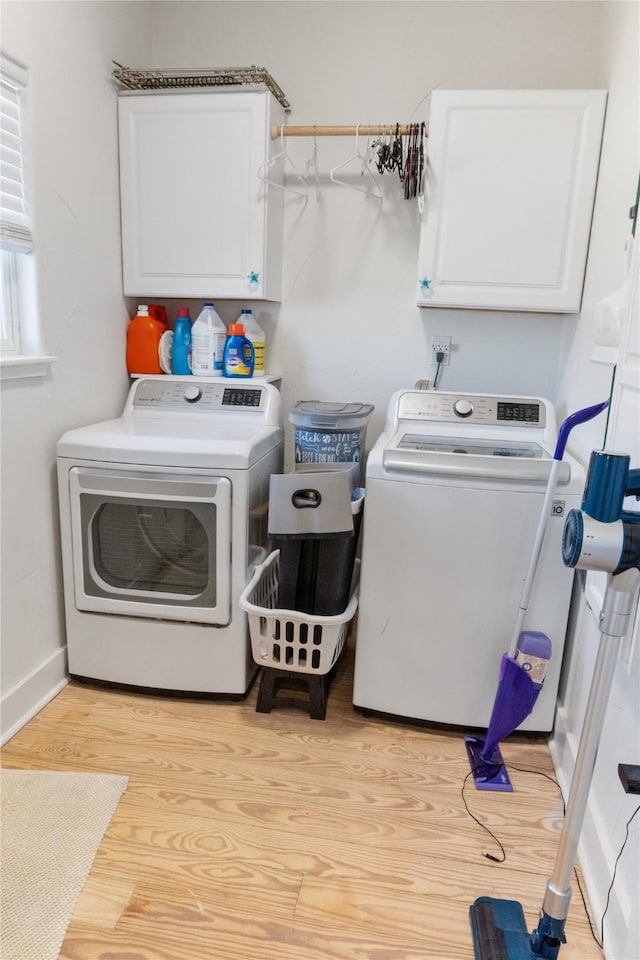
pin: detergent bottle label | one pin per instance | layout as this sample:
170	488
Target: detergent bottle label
258	346
238	358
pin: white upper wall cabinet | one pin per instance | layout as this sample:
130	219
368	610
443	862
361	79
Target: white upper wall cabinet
509	193
197	218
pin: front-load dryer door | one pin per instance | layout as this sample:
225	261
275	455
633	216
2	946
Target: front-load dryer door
150	544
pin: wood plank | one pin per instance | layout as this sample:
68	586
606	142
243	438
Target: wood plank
418	918
254	860
103	901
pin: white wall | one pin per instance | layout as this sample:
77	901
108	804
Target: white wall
68	48
349	327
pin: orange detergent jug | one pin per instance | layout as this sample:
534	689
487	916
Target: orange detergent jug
143	339
159	312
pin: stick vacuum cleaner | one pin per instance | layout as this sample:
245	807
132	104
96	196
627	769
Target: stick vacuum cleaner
600	536
522	669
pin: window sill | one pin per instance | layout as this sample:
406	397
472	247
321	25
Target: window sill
24	367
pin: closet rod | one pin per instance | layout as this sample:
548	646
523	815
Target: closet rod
363	129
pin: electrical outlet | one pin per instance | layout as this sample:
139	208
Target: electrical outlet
440	345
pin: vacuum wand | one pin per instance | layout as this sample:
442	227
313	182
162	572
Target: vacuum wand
617	609
600	536
589	543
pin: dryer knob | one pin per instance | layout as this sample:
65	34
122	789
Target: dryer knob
463	408
192	394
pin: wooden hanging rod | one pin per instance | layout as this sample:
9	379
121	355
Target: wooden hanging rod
363	129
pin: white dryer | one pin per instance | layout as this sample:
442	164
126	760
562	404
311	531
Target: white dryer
455	486
163	514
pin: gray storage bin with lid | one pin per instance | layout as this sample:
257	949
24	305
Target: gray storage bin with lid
327	432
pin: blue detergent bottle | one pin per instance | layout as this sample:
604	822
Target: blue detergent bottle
239	356
181	346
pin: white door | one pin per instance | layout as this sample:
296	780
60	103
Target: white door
196	216
510	185
151	545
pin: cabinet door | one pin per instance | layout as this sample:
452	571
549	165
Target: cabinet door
510	185
196	217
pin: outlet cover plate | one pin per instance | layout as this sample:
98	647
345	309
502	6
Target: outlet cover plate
440	345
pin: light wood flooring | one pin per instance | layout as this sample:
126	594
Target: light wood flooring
248	836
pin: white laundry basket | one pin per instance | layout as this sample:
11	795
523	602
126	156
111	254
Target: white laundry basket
289	640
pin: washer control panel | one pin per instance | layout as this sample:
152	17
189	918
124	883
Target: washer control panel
496	410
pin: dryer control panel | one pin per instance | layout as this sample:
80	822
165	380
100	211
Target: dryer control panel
197	396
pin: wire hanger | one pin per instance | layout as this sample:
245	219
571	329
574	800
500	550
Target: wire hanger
364	168
283	154
312	165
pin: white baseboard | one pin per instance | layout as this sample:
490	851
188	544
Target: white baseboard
32	693
595	865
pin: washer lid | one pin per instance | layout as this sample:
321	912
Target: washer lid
478	446
159	442
471	457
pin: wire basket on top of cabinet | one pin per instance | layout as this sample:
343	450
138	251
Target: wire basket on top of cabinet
163	79
288	639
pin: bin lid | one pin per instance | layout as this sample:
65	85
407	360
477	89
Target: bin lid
329	413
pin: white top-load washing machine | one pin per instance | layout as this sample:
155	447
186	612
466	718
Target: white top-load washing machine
163	514
455	486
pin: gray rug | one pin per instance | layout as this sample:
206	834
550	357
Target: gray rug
51	825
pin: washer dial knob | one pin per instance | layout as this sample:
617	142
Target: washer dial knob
463	408
192	394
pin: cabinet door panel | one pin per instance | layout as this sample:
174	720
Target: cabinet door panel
183	228
193	209
510	186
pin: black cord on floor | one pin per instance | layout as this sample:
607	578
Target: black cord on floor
541	773
615	867
489	856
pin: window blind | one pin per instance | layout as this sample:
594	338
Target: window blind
15	228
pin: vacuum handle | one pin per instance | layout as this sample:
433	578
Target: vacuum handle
580	416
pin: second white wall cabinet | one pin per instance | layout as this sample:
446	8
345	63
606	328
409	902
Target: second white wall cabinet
197	218
510	186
